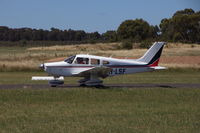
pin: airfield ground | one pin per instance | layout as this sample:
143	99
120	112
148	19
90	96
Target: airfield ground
100	110
113	109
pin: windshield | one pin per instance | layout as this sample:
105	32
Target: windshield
70	59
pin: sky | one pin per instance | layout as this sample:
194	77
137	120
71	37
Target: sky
87	15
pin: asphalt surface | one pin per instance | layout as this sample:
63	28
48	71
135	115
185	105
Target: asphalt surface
45	86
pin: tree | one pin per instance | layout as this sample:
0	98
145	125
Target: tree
80	35
25	34
110	36
94	36
3	32
184	12
136	30
54	34
184	26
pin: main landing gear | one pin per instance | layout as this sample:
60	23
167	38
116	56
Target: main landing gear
56	82
90	81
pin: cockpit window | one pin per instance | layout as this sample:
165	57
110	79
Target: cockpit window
70	59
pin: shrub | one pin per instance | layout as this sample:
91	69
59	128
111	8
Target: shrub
145	44
127	44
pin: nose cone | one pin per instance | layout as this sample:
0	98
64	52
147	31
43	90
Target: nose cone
41	66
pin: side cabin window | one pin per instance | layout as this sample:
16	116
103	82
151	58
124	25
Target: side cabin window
106	63
95	61
80	60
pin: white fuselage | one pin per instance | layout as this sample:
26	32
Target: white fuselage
119	66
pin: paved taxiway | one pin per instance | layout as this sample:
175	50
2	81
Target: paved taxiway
44	86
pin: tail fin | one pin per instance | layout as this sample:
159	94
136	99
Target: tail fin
152	56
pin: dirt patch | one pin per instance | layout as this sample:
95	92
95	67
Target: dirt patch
181	60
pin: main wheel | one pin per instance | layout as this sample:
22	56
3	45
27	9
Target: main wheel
55	83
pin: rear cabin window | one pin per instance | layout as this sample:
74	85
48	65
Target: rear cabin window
95	61
80	60
106	62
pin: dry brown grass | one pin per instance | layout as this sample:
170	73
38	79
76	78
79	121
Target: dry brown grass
19	65
182	45
80	47
112	49
174	55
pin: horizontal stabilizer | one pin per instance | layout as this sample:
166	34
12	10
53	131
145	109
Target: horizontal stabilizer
46	78
158	68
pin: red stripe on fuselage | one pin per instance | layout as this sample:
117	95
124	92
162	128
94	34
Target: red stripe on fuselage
119	66
128	66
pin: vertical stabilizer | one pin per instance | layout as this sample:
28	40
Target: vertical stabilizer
152	56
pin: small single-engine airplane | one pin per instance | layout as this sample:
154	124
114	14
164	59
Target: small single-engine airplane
94	67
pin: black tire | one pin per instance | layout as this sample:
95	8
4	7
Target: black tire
83	85
55	83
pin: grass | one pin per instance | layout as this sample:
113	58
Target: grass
87	110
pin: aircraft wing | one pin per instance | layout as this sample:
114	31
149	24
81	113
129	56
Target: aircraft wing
99	71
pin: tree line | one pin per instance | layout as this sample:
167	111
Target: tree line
183	26
8	34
